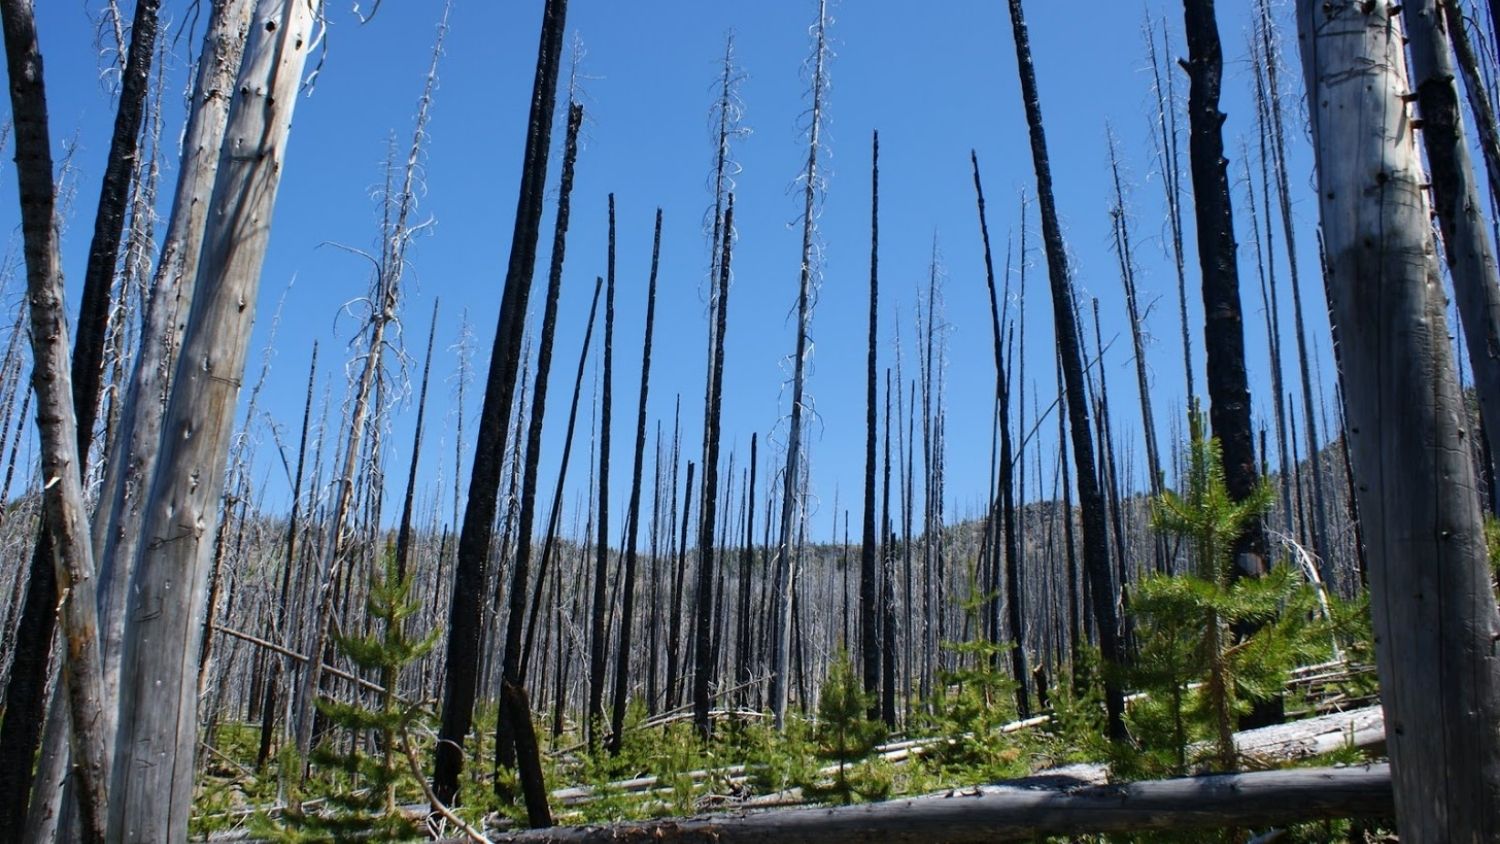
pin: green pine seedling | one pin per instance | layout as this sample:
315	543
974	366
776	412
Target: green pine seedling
1185	624
361	788
846	735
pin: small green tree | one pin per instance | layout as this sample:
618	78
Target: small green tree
361	787
1185	624
845	734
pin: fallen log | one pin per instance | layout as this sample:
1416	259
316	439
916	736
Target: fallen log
1051	807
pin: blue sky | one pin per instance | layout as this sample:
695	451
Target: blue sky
934	79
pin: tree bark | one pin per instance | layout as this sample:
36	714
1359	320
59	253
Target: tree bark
1434	615
153	768
1065	321
64	511
466	613
633	514
703	656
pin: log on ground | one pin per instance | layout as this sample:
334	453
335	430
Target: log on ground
1009	813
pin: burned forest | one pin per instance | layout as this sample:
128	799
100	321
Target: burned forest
997	421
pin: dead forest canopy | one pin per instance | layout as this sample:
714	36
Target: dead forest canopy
632	556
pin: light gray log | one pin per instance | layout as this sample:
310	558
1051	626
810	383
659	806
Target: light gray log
1009	813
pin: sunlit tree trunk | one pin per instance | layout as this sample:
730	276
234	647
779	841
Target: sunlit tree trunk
1435	620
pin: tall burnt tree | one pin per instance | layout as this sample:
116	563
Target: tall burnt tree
786	569
1434	615
1004	505
1224	328
466	613
633	514
511	661
703	651
1224	338
1065	322
869	639
598	638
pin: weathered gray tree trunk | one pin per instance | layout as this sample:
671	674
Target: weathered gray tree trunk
1434	615
153	771
1460	210
64	509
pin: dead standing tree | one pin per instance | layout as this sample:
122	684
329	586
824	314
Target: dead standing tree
65	514
786	573
466	614
1435	620
152	770
1065	321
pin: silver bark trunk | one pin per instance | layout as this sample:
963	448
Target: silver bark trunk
153	768
1434	615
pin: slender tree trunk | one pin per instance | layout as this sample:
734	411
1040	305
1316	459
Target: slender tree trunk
64	513
598	638
868	583
555	517
1164	135
466	614
283	616
1095	528
1004	504
1434	615
633	515
511	670
703	615
786	570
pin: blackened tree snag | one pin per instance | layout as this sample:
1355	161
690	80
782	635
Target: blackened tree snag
466	613
1065	321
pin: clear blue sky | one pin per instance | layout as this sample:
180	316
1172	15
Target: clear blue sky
935	79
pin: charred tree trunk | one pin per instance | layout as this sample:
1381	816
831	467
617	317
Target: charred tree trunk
703	656
786	570
633	515
1095	527
466	614
869	641
598	638
1005	505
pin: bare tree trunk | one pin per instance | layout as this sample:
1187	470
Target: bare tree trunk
868	577
66	518
511	667
1095	528
1164	135
1434	615
152	778
633	515
598	638
785	563
1004	505
466	615
703	615
555	517
283	603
